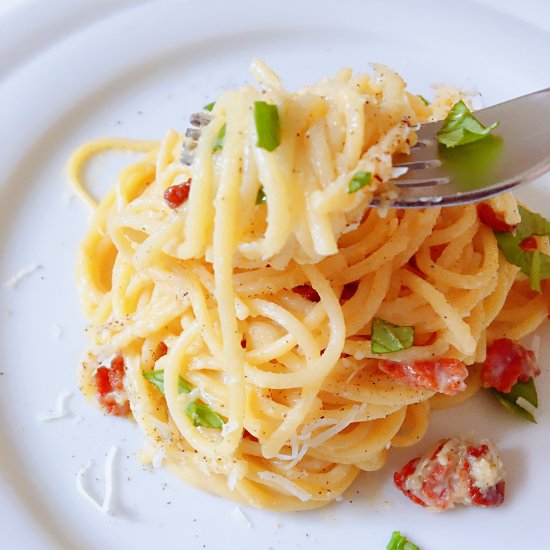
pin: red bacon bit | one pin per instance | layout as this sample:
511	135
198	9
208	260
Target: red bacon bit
494	496
441	479
177	194
162	350
529	244
110	380
248	435
507	362
400	478
477	452
436	251
440	375
307	292
413	267
348	291
493	219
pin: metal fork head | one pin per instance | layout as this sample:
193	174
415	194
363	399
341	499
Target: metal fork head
516	152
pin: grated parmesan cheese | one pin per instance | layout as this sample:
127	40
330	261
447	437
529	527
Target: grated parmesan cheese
229	427
161	428
293	441
239	515
486	473
16	278
105	506
526	406
158	458
285	485
324	436
312	426
238	471
60	410
109	471
353	375
82	490
398	171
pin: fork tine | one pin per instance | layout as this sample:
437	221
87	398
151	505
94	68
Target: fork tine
426	182
419	164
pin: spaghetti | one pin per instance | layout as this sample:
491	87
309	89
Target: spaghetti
242	317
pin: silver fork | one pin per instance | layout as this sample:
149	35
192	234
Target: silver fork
516	152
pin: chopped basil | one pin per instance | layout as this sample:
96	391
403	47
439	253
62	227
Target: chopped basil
218	142
461	127
532	224
210	106
399	542
266	118
156	377
535	265
524	390
359	180
199	413
261	197
388	338
202	415
426	102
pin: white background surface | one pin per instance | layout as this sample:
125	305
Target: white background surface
134	69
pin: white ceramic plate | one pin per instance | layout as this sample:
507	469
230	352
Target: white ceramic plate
73	71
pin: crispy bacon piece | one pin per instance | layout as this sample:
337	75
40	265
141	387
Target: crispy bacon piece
493	219
248	435
348	291
457	472
177	194
109	382
440	375
529	244
162	350
507	362
307	292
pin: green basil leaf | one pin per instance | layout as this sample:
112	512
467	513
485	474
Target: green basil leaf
156	377
261	197
210	106
202	415
535	265
461	127
388	338
426	102
527	390
359	180
399	542
513	407
218	142
531	224
266	118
